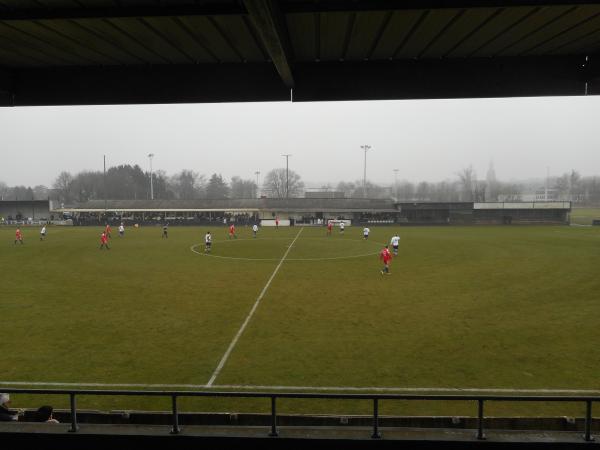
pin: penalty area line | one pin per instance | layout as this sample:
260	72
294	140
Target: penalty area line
256	303
308	388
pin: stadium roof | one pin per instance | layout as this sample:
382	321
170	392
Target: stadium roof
151	51
238	205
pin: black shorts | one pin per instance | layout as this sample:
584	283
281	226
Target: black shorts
208	244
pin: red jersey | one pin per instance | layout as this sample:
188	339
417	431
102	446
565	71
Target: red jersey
103	238
231	229
385	255
107	229
329	226
18	234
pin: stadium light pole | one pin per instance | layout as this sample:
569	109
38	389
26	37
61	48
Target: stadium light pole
287	174
104	184
365	148
150	156
396	182
257	173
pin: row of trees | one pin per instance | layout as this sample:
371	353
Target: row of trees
131	182
468	188
39	192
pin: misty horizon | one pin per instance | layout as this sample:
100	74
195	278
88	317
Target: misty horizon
426	140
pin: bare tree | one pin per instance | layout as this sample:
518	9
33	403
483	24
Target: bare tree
243	188
563	186
467	177
188	184
422	192
40	192
348	188
64	185
4	190
276	183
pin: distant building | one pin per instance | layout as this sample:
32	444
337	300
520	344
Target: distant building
543	194
324	194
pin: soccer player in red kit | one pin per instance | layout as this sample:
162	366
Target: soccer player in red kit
104	241
107	231
277	222
329	227
18	236
232	231
386	257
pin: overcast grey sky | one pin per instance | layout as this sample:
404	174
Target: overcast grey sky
425	139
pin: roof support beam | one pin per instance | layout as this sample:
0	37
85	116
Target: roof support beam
311	6
270	25
216	9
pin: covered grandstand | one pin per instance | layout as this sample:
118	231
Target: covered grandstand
12	211
303	211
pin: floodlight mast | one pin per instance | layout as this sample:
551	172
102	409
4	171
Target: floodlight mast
257	173
150	156
287	174
104	179
365	148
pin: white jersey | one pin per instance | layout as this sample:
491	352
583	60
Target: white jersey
255	228
121	229
366	231
395	240
208	238
342	225
43	230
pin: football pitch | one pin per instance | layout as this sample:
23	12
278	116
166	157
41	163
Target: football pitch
466	309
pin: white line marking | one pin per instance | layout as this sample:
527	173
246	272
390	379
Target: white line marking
194	247
243	327
306	388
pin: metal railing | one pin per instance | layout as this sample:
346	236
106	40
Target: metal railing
480	400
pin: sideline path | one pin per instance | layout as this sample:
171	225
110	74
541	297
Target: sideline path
243	327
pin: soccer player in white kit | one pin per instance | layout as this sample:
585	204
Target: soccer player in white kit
207	242
366	232
121	230
394	242
43	233
342	226
254	229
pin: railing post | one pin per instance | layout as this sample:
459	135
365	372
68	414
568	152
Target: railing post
588	421
273	432
74	426
175	428
376	434
480	434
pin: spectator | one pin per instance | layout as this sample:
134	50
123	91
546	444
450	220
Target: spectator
6	415
44	414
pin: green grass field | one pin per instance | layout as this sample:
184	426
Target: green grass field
465	307
584	216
